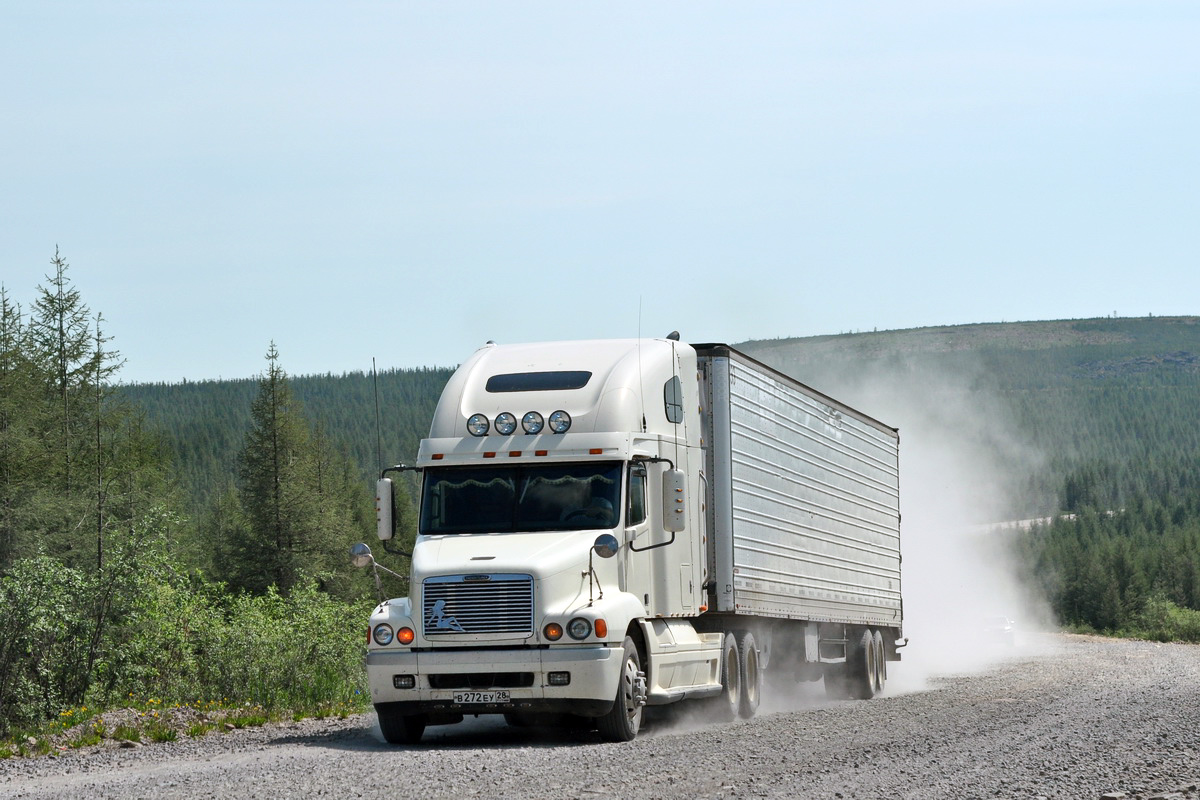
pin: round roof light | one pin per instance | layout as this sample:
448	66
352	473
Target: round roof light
506	423
533	422
477	425
560	421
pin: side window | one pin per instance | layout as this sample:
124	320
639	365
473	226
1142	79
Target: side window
673	398
637	495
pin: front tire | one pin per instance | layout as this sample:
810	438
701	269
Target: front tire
624	719
400	728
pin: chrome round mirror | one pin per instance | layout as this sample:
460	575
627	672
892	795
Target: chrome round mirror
606	545
360	555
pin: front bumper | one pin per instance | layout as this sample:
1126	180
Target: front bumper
438	674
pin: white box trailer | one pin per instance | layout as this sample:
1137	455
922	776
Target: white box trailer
614	524
805	513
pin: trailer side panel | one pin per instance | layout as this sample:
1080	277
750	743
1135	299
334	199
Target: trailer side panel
805	501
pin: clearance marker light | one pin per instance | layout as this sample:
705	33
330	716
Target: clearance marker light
595	451
438	456
514	453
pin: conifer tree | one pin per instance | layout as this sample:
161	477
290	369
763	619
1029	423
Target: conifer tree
62	338
299	500
20	444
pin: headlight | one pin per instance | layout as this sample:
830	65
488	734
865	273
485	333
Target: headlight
383	633
579	628
533	422
560	421
477	425
506	423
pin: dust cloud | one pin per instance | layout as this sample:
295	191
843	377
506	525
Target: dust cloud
963	469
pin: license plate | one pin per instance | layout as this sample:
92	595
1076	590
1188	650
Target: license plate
481	697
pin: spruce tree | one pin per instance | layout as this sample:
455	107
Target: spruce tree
300	504
62	340
20	443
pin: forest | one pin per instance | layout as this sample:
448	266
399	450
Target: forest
136	572
185	544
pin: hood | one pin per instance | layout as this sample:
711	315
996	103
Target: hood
541	555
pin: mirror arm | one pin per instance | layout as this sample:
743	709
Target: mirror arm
653	460
396	551
400	468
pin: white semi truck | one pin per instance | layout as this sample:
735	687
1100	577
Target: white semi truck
606	525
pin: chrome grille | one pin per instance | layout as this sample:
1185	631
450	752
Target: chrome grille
477	604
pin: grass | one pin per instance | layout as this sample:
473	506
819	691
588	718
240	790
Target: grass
156	721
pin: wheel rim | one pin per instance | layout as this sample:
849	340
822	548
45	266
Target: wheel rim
629	692
880	663
733	689
752	684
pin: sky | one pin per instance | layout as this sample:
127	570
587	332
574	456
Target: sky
405	181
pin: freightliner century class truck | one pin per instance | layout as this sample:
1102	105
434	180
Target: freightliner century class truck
606	525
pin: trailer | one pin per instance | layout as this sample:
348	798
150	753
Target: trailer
608	525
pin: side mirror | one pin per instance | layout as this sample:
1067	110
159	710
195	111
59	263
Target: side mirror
606	545
360	555
385	510
674	500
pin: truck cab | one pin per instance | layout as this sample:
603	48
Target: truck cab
560	533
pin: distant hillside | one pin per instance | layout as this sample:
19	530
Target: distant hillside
205	422
1115	399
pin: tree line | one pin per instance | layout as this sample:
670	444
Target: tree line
115	583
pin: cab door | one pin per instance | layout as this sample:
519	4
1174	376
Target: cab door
637	535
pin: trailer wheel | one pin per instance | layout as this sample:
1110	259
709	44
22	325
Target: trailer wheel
751	674
862	666
727	705
624	719
400	728
880	662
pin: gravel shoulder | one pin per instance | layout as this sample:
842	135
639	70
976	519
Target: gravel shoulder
1084	717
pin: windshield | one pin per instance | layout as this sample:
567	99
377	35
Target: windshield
521	498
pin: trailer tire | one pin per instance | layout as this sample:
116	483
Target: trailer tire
861	664
728	704
400	728
880	662
751	675
624	719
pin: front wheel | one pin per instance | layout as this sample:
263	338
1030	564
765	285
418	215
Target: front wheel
400	728
624	719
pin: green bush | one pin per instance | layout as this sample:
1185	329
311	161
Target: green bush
1163	621
67	639
45	636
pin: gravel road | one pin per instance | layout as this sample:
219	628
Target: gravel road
1082	718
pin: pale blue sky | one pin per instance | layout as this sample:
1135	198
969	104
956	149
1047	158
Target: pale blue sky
406	180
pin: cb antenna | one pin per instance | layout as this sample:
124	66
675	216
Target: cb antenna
378	424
